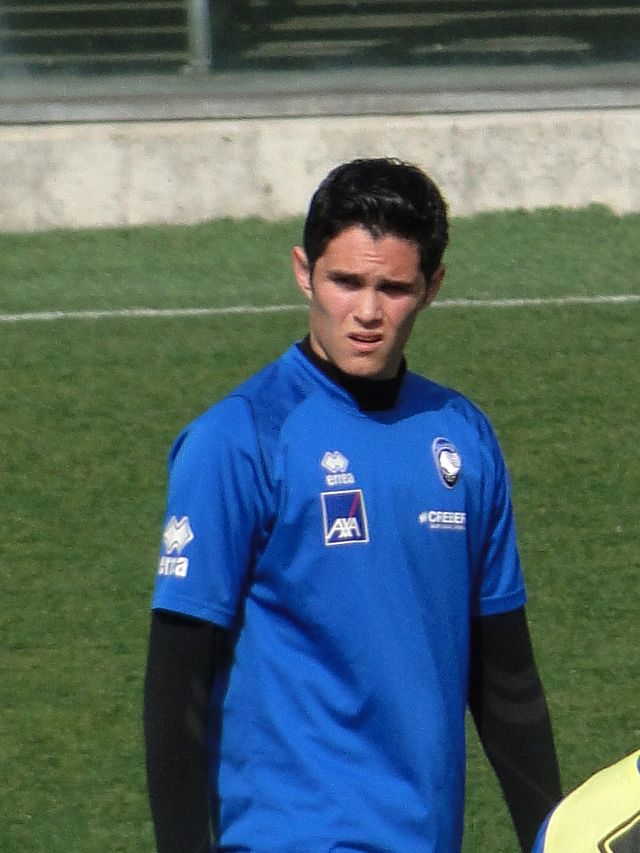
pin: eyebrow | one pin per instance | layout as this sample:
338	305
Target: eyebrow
336	274
355	276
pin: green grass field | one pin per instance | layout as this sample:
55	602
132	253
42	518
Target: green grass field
89	408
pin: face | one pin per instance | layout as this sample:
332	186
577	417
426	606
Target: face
365	293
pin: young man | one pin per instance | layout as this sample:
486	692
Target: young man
339	575
601	816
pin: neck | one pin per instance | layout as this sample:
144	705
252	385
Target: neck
371	395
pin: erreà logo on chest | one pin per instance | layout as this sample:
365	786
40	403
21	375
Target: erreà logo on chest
336	465
344	517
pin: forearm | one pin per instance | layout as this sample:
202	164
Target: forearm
523	757
510	711
180	670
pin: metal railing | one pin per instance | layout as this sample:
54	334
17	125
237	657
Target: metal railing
142	36
103	35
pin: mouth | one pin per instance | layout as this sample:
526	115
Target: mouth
365	342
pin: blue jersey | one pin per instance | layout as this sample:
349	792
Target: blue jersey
346	552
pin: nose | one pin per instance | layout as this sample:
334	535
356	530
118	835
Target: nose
368	306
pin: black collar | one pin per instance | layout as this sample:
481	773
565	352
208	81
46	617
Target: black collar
371	395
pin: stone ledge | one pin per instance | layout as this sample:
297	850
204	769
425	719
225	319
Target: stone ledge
129	173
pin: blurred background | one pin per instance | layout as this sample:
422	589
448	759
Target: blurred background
511	103
160	36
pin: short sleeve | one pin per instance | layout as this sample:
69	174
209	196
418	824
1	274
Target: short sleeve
501	586
214	508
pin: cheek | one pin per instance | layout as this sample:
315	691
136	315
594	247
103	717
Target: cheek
335	307
404	319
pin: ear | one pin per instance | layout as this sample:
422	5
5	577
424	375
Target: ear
301	271
433	286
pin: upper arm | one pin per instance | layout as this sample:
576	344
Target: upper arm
503	673
215	506
501	584
502	640
182	651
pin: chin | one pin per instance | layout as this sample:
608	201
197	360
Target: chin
365	370
363	366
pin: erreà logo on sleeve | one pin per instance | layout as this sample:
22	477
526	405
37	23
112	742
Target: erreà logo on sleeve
177	535
344	517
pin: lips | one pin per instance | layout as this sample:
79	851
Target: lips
365	343
365	339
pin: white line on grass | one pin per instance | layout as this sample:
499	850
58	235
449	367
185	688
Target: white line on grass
146	312
605	299
41	316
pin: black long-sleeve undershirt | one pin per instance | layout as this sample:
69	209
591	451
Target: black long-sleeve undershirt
509	708
182	659
505	697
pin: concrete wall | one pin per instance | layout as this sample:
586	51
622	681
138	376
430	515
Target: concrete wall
111	174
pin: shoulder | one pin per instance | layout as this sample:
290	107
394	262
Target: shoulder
434	394
624	774
448	403
251	416
458	426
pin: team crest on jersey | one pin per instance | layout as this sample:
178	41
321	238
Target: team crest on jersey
344	517
447	461
336	464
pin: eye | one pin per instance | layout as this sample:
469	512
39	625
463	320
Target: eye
346	282
394	289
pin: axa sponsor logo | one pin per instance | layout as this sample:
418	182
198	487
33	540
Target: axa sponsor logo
344	517
441	519
177	535
447	461
337	464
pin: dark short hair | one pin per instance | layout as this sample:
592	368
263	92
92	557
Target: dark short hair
385	196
